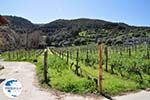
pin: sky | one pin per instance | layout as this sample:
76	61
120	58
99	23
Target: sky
133	12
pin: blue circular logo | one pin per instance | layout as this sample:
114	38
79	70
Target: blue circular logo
12	88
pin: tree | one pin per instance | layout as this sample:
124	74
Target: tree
33	39
48	41
3	20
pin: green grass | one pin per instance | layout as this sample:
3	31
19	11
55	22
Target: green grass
113	83
62	78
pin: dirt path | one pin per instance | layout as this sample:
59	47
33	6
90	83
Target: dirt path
142	95
25	73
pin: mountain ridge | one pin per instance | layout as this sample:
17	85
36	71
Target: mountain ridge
63	32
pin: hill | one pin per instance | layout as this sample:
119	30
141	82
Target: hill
73	32
67	32
8	39
19	24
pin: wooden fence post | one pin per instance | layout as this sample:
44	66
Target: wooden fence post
120	49
45	66
106	54
25	54
129	51
100	68
77	63
67	57
77	58
148	55
87	54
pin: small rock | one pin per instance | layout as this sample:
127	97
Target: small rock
148	89
1	67
35	60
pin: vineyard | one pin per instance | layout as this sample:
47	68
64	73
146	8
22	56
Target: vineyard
76	69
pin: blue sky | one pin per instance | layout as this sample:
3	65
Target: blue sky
133	12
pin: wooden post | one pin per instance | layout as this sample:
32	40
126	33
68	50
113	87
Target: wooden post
106	54
77	58
45	66
148	55
87	54
77	64
25	54
67	57
121	50
100	68
21	54
129	52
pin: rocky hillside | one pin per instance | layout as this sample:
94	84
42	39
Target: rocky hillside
8	39
20	25
22	33
68	32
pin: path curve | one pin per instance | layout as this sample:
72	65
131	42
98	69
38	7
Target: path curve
25	73
142	95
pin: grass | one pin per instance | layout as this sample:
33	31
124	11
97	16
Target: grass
113	83
62	78
116	85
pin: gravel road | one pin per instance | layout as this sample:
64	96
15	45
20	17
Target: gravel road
142	95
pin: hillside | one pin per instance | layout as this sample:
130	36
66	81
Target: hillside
20	33
20	25
8	39
67	32
72	32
